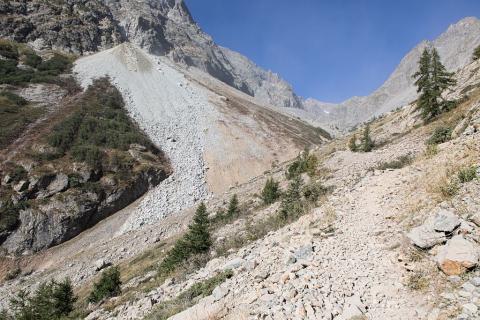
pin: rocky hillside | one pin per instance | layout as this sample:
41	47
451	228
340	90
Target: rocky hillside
69	159
162	27
387	234
455	47
216	137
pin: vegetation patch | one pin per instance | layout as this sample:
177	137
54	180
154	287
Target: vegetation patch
39	70
304	163
100	123
51	301
440	135
398	163
15	115
108	286
467	174
189	297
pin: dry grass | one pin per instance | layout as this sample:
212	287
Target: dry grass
418	281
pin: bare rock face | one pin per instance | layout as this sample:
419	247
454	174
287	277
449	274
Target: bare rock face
75	26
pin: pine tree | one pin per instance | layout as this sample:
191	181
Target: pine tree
198	237
291	203
432	79
233	210
50	301
63	297
270	192
441	80
108	286
367	144
352	144
476	53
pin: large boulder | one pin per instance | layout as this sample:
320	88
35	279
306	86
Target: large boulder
435	229
457	256
425	237
446	221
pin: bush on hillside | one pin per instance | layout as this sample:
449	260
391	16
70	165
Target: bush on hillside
51	301
108	286
440	135
467	174
270	192
292	206
305	163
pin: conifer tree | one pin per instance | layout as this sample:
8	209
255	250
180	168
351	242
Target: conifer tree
476	53
367	142
50	301
432	79
270	192
291	203
198	237
233	210
352	144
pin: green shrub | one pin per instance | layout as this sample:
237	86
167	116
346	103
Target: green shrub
233	210
55	65
270	192
305	162
51	301
398	163
367	143
440	135
64	133
8	50
313	191
476	53
18	173
467	174
32	59
16	99
92	155
9	217
189	297
352	144
101	123
108	286
292	206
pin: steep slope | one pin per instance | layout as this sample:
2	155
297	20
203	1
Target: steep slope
455	46
162	27
215	136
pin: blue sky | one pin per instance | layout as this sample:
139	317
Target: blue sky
329	50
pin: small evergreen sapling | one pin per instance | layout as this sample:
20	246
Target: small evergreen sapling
108	286
476	53
352	144
270	192
367	144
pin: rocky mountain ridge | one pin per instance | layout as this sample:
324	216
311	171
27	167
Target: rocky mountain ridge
163	27
455	47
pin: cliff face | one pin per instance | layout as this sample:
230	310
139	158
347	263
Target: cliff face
163	27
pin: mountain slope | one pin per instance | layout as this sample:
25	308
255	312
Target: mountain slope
455	46
214	135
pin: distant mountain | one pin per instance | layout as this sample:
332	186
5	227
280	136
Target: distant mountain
455	46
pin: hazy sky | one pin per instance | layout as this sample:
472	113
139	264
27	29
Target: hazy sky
329	50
